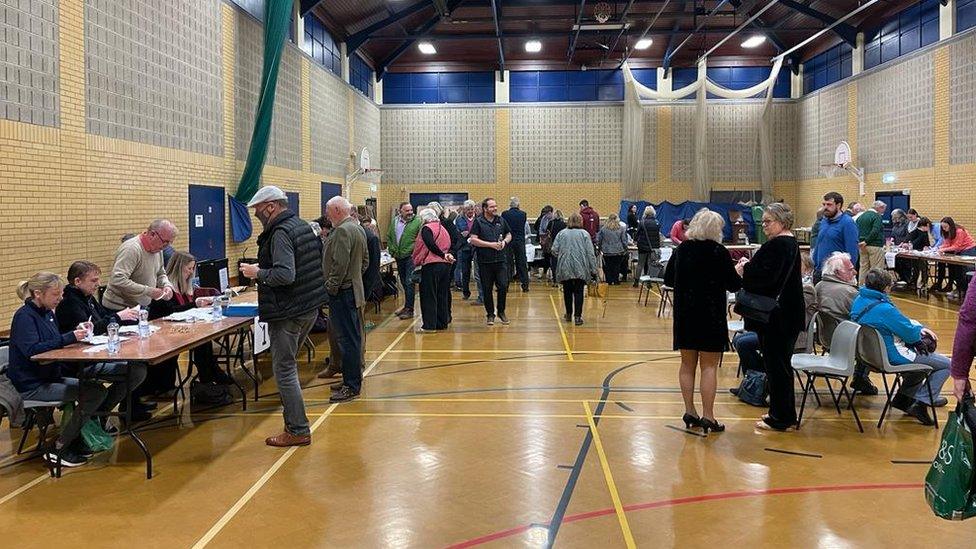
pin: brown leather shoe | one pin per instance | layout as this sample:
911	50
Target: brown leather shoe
287	439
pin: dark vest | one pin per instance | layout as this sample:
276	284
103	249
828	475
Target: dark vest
307	292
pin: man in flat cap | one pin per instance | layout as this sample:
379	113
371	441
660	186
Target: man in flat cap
291	289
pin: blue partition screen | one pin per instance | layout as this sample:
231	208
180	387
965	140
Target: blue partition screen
549	86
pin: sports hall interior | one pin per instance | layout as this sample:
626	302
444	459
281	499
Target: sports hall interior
538	433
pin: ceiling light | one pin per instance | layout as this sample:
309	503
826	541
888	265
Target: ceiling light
533	46
754	41
643	43
427	48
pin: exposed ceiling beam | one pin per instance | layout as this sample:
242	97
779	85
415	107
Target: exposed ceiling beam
496	11
647	30
358	39
490	34
306	6
402	48
845	31
442	8
579	19
669	52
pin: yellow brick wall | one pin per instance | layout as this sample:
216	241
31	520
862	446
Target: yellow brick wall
68	195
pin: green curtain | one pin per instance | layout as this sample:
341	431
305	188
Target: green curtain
277	18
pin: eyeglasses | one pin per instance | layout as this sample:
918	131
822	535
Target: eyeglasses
161	239
768	221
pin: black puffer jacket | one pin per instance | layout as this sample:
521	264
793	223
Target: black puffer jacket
648	235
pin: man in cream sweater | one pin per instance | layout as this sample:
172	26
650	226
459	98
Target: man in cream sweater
139	275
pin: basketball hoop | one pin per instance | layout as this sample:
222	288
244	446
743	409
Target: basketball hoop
842	163
365	173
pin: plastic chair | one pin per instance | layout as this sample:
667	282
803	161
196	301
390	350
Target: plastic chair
871	350
667	293
643	282
838	365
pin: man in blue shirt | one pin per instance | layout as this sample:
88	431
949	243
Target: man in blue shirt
838	233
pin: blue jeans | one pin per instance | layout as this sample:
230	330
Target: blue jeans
345	320
405	271
91	396
940	373
746	345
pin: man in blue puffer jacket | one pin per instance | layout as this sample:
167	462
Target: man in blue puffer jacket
874	308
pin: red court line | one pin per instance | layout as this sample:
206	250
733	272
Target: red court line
692	499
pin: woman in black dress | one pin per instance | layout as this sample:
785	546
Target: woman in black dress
701	271
774	271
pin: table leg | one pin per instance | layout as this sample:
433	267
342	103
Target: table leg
129	427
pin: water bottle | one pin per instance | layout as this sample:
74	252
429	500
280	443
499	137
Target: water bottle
216	313
113	339
228	294
143	324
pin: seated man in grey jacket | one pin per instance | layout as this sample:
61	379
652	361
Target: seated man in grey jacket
836	292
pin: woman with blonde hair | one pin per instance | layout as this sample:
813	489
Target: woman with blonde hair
775	271
701	271
212	386
33	331
576	265
612	242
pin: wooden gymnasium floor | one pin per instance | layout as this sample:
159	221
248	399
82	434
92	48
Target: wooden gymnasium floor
504	437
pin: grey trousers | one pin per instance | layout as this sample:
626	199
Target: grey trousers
287	336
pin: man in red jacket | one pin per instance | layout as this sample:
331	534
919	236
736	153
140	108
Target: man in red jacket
591	219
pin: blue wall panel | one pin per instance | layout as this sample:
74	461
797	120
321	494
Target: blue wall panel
435	87
550	86
828	67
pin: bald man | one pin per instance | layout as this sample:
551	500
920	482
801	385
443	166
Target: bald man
344	261
139	273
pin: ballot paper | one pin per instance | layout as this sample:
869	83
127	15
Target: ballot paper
134	330
99	340
192	315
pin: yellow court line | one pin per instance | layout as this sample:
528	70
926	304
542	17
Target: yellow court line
617	505
232	512
423	414
24	488
539	352
562	331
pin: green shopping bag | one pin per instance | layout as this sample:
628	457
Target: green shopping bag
92	432
949	482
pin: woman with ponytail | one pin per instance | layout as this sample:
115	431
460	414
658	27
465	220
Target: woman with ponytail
33	331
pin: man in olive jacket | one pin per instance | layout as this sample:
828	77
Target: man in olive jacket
399	240
290	292
870	232
344	262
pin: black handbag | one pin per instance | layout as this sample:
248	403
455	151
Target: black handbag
757	307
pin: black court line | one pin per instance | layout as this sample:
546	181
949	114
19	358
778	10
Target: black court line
687	431
624	406
564	467
804	454
911	462
583	426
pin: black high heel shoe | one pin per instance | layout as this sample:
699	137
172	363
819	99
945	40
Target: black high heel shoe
711	425
691	421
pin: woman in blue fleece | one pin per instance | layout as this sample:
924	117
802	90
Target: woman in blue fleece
33	331
874	308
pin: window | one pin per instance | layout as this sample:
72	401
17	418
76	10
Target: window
320	45
254	7
965	14
361	75
828	67
547	86
432	87
912	28
734	78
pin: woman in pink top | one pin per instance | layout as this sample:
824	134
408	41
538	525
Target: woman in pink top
432	255
678	231
956	240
